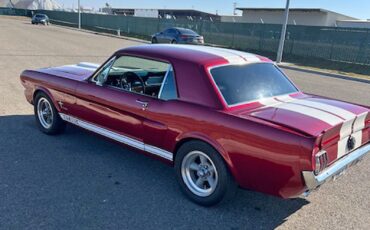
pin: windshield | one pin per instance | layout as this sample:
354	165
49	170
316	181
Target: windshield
244	83
40	16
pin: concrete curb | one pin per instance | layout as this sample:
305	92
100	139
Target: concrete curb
334	75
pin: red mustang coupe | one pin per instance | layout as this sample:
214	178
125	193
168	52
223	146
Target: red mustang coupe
222	118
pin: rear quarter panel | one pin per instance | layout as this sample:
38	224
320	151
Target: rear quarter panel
261	156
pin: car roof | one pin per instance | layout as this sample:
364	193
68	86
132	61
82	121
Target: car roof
204	55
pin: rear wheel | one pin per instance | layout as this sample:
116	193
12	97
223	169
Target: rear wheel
47	117
203	175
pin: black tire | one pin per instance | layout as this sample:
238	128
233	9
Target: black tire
226	186
57	125
154	40
173	42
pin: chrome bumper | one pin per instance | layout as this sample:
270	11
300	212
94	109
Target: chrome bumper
313	181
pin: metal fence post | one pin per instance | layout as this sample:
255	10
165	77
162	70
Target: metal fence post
283	32
79	15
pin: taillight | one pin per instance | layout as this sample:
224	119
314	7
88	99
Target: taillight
321	161
184	36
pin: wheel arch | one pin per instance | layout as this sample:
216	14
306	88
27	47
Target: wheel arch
214	144
40	89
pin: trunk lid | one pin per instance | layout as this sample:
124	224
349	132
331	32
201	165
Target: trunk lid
336	123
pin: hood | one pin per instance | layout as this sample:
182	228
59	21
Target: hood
79	72
312	115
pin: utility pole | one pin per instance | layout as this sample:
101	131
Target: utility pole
283	34
79	15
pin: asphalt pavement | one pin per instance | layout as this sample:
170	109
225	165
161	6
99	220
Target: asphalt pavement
80	181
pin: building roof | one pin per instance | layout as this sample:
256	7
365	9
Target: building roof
319	10
283	9
355	21
166	10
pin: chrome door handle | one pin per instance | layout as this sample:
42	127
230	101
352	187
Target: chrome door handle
144	104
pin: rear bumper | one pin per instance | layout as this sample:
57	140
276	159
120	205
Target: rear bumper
191	42
313	181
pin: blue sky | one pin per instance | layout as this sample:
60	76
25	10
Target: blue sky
354	8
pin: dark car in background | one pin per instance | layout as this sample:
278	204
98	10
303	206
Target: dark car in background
40	19
177	35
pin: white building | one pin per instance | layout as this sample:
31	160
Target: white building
31	4
354	23
297	16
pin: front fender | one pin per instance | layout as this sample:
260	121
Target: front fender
38	89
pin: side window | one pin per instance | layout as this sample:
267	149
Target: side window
134	74
171	32
168	90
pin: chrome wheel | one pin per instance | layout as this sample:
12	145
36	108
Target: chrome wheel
45	113
199	173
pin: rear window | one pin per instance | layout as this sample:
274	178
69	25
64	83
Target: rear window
187	32
244	83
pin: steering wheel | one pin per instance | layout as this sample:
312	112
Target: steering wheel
132	82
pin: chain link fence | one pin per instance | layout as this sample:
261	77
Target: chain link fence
334	44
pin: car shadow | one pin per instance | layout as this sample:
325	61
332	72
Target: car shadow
78	180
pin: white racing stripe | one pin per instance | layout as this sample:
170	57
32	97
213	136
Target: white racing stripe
118	137
84	65
352	124
88	65
311	112
345	114
79	67
360	122
285	102
231	58
246	56
346	128
348	116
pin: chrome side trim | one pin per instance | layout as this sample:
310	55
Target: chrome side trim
159	152
118	137
312	181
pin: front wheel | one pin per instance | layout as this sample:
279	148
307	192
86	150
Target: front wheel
154	40
47	117
203	175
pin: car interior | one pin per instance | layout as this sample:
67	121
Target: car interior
135	75
136	80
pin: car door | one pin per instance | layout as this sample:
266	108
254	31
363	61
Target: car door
158	117
161	37
170	35
106	107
